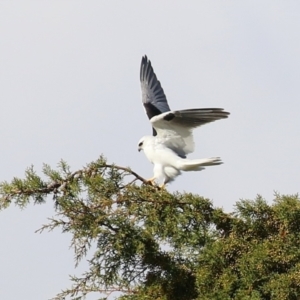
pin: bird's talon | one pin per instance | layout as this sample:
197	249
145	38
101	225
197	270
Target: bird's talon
151	181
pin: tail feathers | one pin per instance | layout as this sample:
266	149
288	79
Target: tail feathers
198	164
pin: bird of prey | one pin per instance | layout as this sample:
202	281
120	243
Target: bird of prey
172	137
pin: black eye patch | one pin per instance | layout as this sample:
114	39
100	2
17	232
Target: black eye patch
140	144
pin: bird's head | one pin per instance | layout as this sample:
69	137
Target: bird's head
144	142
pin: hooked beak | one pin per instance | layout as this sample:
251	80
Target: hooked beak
139	149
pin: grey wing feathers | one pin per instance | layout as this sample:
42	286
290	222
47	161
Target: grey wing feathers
153	96
191	118
158	110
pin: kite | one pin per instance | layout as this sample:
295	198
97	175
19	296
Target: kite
172	137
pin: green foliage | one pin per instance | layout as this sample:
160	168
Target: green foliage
260	258
152	244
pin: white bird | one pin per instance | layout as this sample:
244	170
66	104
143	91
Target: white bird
172	136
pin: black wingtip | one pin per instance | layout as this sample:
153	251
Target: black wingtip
145	58
145	67
145	61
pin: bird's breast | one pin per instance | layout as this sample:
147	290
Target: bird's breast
150	152
159	154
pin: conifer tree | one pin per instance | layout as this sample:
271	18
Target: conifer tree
152	244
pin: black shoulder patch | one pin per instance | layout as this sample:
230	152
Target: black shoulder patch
169	117
151	110
154	133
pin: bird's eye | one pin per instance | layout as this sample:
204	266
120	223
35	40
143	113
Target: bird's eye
140	144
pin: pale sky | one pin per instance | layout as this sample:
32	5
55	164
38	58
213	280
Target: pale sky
69	78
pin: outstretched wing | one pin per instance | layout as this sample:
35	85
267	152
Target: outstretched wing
153	96
175	127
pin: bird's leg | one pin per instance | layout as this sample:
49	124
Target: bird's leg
162	186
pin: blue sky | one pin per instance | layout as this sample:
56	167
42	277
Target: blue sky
69	77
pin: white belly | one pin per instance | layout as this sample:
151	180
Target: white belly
165	162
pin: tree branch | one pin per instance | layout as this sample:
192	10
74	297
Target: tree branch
59	185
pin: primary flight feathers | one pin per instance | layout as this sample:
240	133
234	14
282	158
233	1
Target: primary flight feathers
172	130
